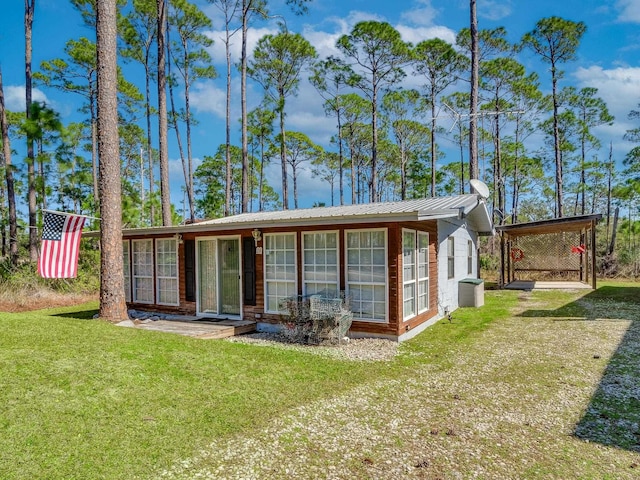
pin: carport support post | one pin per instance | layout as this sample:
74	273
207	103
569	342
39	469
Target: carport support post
593	254
502	259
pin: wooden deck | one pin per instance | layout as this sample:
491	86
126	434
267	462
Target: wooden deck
200	328
535	285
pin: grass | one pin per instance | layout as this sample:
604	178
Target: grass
85	399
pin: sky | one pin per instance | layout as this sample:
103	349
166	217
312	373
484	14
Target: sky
608	59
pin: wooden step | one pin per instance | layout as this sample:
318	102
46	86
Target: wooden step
201	329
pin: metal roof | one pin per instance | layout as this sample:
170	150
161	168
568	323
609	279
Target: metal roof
407	210
563	224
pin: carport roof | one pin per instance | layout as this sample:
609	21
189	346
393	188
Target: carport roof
564	224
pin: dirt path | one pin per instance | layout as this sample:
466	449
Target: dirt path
508	408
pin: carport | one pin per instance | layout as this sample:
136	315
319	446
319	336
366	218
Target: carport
553	253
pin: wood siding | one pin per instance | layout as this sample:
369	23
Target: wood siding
395	326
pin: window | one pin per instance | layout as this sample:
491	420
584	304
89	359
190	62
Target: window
469	257
415	272
126	269
451	258
167	271
366	274
409	272
320	260
142	271
279	269
423	272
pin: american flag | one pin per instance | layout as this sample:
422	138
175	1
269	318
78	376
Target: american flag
60	245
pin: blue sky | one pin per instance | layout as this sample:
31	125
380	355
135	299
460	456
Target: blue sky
608	59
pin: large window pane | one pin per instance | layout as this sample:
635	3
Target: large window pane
409	272
126	268
167	271
279	269
320	252
142	271
415	268
366	273
423	272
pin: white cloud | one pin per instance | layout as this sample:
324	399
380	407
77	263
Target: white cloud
494	9
620	89
207	97
615	86
417	35
629	11
422	14
218	50
14	98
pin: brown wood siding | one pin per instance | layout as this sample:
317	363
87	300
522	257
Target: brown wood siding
394	327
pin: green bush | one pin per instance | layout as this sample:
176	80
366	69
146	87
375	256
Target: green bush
24	277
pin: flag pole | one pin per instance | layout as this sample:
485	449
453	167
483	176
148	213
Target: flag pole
71	214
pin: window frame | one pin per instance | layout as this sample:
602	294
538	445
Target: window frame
336	233
470	257
417	281
176	278
265	256
420	279
451	257
126	270
411	282
386	273
135	277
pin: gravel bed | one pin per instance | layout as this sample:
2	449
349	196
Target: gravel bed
358	349
515	404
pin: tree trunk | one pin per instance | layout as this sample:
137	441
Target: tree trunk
94	148
246	4
433	139
614	232
227	200
174	121
340	160
609	178
11	193
261	179
295	186
162	114
29	7
283	157
112	301
147	91
556	143
374	144
473	107
187	109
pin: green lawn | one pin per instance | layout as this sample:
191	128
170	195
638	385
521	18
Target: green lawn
85	399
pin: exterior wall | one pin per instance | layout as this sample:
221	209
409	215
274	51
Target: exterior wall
395	327
448	287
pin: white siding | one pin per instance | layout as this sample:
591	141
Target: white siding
448	287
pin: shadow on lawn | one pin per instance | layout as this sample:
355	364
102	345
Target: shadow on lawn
82	315
612	417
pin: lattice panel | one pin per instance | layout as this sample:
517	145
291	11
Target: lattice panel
550	256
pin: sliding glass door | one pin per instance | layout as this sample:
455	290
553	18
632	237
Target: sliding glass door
218	280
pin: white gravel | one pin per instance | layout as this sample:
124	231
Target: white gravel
508	408
362	349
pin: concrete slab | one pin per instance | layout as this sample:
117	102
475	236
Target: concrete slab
535	285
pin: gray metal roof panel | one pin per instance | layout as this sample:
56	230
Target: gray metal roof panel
423	207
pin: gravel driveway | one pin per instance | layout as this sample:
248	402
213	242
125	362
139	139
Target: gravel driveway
507	408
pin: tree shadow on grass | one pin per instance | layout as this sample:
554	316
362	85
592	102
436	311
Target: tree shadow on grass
78	315
612	417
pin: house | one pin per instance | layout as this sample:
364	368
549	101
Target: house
399	262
